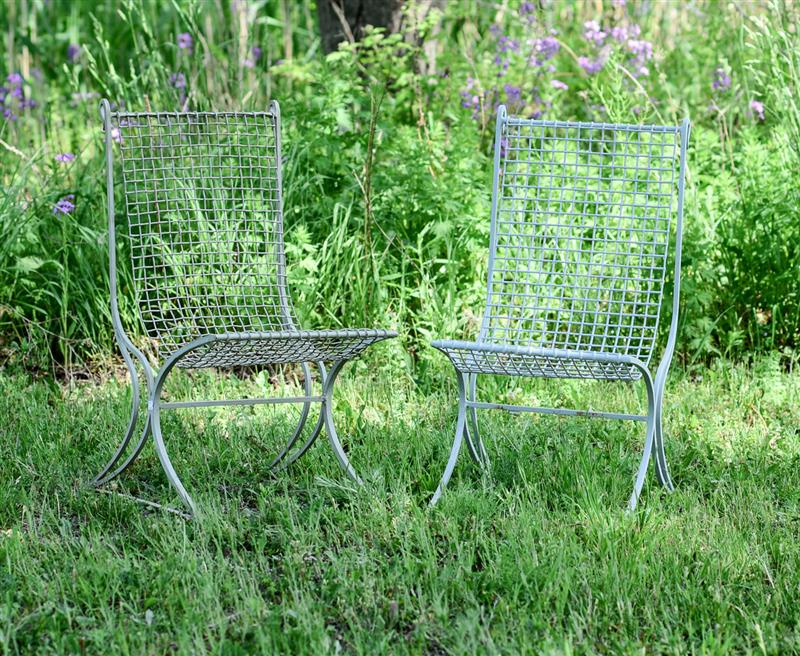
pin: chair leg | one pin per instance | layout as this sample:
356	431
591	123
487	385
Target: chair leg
648	442
330	428
307	388
154	407
472	435
662	469
166	463
104	476
460	430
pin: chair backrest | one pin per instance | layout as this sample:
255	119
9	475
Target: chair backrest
202	203
580	233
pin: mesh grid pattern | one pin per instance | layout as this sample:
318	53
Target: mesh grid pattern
473	358
202	196
579	246
283	347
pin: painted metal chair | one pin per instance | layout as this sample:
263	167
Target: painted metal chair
203	203
580	232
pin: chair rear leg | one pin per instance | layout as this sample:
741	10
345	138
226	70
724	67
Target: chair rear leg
472	435
330	427
662	468
104	476
460	430
648	442
307	388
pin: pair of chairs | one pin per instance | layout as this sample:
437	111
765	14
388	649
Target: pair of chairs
580	231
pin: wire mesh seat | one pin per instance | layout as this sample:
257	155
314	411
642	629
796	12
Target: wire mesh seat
581	225
202	196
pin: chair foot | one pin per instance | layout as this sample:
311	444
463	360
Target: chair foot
460	430
307	444
330	427
105	477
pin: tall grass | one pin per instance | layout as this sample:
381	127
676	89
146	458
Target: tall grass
386	174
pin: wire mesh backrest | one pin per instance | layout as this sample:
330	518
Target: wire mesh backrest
203	202
580	234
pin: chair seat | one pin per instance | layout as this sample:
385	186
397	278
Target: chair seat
489	358
253	348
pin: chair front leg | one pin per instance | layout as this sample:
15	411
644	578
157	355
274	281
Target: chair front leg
154	407
460	429
330	427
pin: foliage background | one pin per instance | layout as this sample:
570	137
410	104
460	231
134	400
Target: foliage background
397	234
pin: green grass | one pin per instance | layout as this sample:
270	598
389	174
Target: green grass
539	556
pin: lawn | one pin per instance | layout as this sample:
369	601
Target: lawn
537	556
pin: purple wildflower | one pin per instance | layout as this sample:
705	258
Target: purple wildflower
722	81
65	157
619	33
544	49
116	135
513	94
14	79
470	97
642	52
73	50
255	55
65	205
558	84
9	115
503	147
507	44
178	80
185	41
591	66
757	107
526	8
502	63
593	33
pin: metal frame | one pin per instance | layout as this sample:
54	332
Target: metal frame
225	169
556	308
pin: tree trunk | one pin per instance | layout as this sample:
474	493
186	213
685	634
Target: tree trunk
346	20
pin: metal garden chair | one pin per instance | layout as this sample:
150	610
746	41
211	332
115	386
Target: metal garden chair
580	233
203	201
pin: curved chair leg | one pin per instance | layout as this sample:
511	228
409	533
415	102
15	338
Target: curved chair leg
104	476
648	442
472	435
460	430
662	469
314	434
154	407
330	428
301	423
